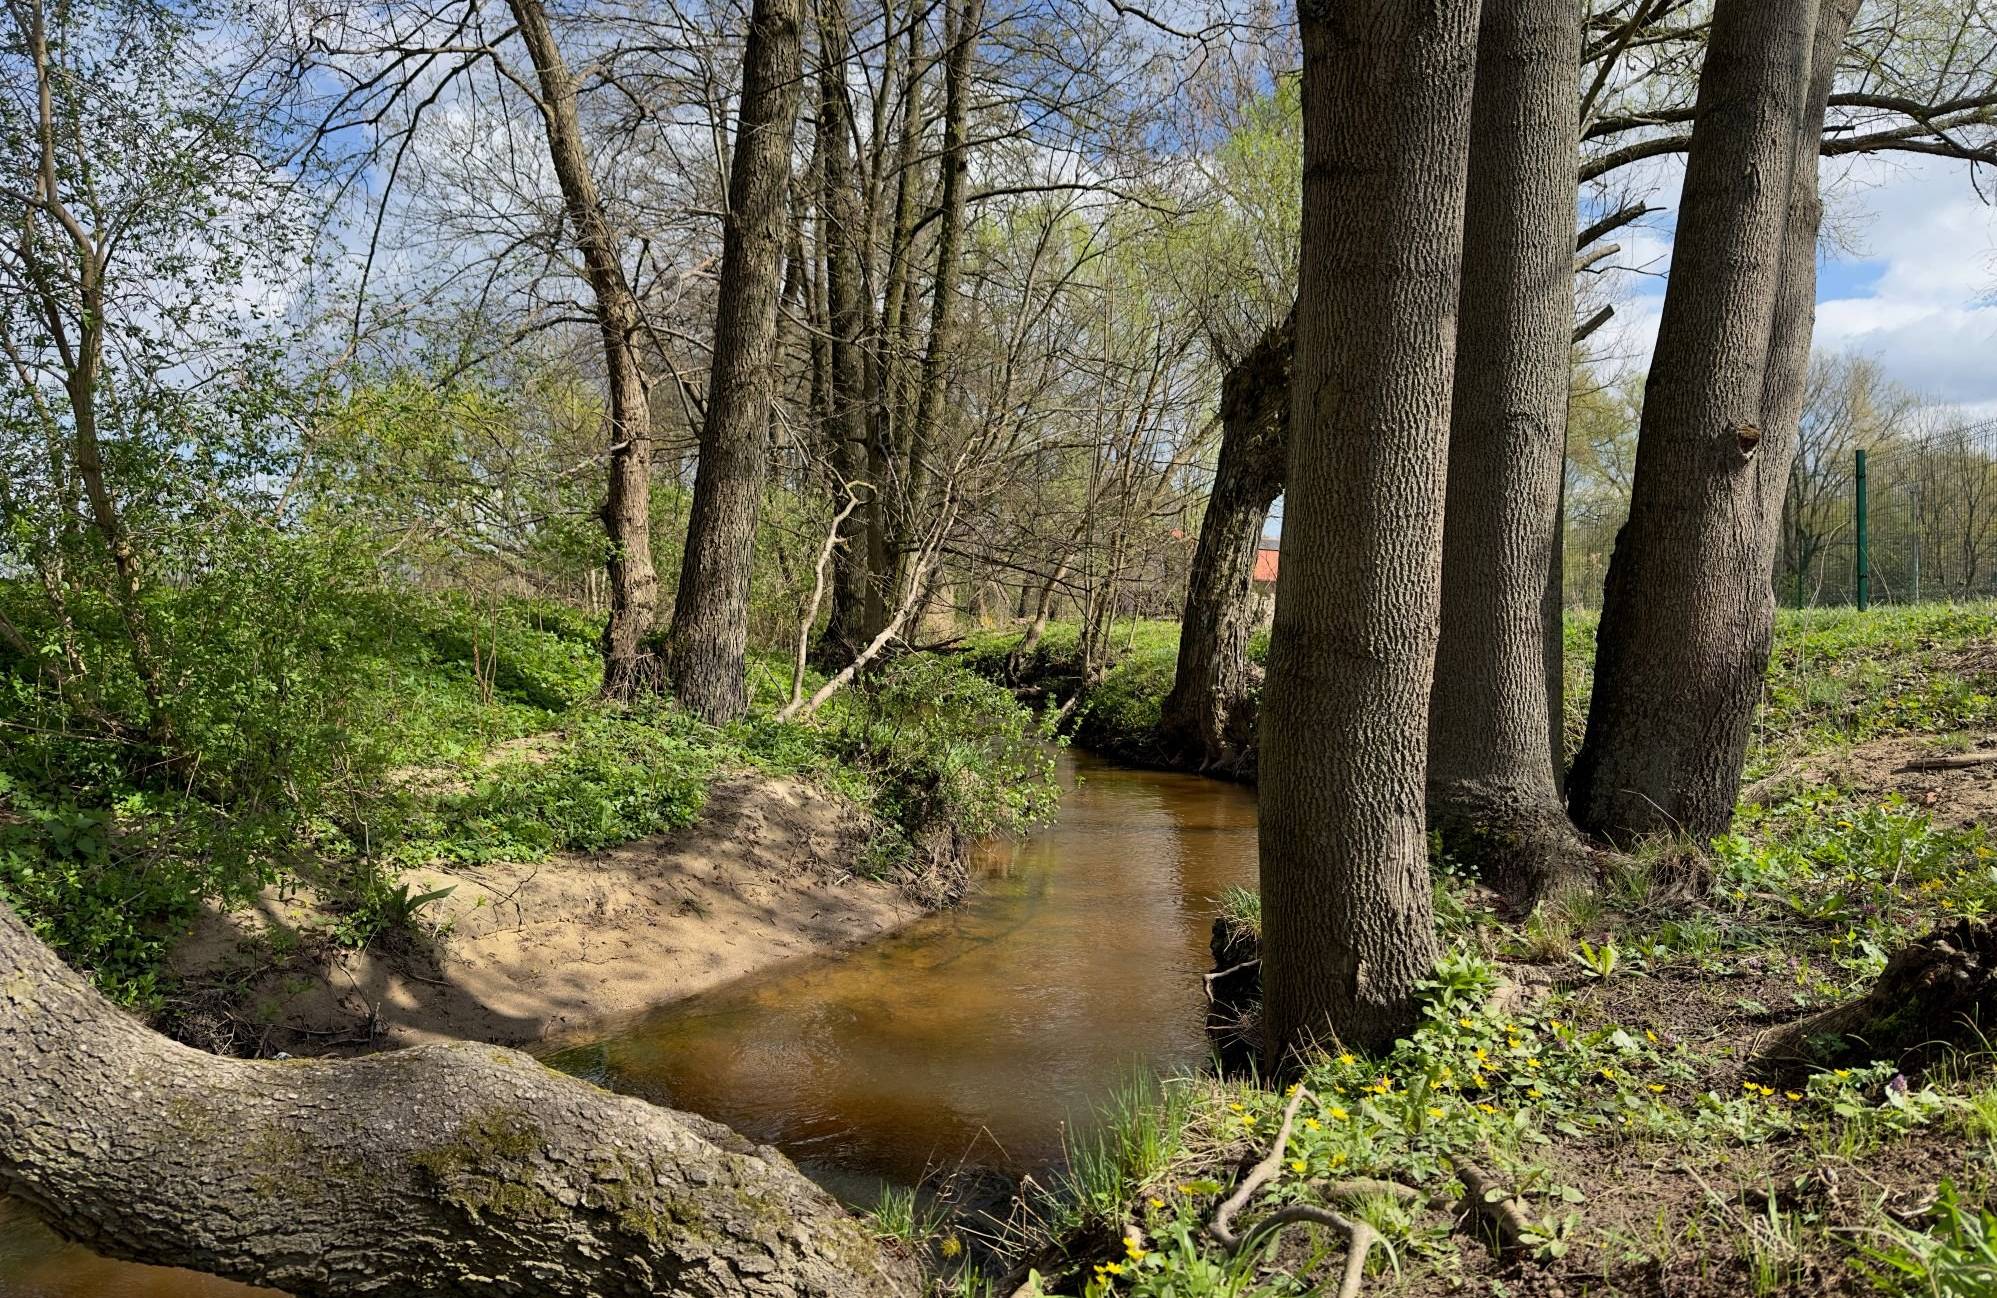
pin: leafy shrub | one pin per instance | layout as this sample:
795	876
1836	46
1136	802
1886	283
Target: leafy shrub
944	747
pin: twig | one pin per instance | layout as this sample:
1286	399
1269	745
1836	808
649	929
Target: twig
818	595
1960	762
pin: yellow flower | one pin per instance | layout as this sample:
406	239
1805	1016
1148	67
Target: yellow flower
1532	1063
1297	1165
1649	1035
1794	1095
1237	1108
1555	1023
1312	1124
1157	1202
1656	1089
1113	1268
1337	1114
1608	1074
1434	1112
1482	1058
1485	1108
1347	1059
951	1245
1466	1023
1135	1249
1247	1119
1533	1091
1841	1072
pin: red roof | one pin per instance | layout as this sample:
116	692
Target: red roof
1266	564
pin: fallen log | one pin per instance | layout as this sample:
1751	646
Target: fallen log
443	1170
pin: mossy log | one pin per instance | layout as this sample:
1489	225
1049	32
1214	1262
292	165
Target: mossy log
444	1169
1934	994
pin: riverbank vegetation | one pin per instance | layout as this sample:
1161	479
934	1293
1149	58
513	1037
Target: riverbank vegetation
339	737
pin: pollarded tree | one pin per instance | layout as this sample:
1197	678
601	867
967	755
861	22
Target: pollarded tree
1688	610
1348	929
452	1169
710	629
1493	789
1208	719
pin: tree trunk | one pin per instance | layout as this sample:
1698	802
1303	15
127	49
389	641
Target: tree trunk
1687	607
852	578
711	612
1207	715
1785	388
964	18
627	506
1492	787
446	1169
1348	928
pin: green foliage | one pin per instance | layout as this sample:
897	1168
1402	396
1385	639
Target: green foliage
942	747
1957	1258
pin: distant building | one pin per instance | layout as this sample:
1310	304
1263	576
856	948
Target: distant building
1268	562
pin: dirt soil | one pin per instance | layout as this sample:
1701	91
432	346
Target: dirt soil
519	953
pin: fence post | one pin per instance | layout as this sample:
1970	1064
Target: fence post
1864	583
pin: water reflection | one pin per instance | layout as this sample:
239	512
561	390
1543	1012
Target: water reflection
975	1033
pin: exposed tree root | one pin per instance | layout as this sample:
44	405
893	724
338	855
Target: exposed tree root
1360	1237
1487	1202
1938	991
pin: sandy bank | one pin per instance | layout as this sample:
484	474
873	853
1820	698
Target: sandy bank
517	953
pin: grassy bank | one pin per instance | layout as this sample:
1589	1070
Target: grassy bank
394	729
1591	1058
1838	677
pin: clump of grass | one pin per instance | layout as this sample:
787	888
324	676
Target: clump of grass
1955	1258
1241	909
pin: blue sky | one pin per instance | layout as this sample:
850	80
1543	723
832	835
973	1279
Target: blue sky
1906	276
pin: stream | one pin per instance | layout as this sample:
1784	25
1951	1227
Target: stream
973	1039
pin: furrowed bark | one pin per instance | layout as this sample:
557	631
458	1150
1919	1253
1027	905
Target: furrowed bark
1348	929
446	1169
1492	785
1208	714
710	627
1684	636
627	506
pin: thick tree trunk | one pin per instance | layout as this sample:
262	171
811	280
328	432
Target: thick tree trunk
1208	717
846	431
627	506
449	1169
1687	609
711	613
1492	787
1348	929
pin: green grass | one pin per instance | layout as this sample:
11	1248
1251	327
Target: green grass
1836	677
447	731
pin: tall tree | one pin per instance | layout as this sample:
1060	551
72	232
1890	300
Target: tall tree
710	627
1492	786
1208	717
1687	612
1348	929
843	232
627	505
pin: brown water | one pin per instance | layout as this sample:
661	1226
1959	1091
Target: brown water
970	1037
